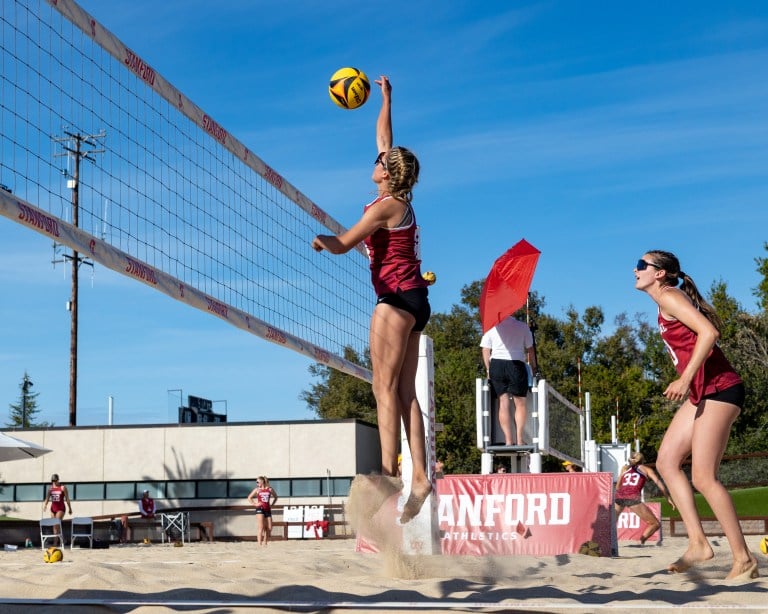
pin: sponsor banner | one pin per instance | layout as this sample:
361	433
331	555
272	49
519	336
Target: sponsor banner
534	514
630	527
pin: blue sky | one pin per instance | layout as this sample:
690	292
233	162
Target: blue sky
596	131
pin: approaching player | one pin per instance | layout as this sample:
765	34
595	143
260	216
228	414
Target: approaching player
712	395
58	495
629	489
388	227
263	497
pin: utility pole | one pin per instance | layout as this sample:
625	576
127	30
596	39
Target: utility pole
76	146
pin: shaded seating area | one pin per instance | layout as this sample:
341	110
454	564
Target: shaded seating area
82	528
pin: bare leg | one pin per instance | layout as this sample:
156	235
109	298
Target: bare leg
60	516
674	449
414	431
646	515
259	528
703	431
521	412
267	530
710	437
390	328
394	357
505	420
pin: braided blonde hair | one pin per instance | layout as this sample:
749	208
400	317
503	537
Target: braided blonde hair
403	169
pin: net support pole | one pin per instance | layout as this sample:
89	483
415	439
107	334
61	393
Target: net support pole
421	535
483	423
536	415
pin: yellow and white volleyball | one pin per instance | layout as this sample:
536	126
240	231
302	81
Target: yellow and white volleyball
764	545
53	555
590	548
429	277
349	88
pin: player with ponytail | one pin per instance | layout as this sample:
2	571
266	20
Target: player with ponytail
712	396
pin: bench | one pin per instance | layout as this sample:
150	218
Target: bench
135	524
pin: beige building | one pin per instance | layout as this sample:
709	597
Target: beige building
105	468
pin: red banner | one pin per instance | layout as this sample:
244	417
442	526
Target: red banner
629	526
537	514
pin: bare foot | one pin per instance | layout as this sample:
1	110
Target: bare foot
419	494
743	571
694	554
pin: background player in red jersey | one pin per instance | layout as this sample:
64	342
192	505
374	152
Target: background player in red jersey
58	495
712	395
263	497
629	493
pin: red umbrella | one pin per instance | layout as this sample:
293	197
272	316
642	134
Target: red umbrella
506	287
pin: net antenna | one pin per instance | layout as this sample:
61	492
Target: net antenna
192	211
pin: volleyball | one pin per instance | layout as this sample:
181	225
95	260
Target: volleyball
764	545
349	88
590	549
429	277
53	555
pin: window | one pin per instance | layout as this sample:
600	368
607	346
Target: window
156	489
30	492
121	491
87	492
214	489
6	492
306	487
181	490
240	489
339	487
282	487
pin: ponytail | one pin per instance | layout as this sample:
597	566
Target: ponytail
669	263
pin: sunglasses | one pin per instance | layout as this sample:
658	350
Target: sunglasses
380	160
642	265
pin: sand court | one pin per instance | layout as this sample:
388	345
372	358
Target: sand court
328	575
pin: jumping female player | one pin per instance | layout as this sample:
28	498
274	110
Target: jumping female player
263	497
629	491
712	395
388	227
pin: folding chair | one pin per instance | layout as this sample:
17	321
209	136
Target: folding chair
174	525
81	527
50	528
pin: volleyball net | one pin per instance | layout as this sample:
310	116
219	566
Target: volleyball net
100	153
562	429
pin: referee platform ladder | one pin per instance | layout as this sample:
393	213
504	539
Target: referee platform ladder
490	438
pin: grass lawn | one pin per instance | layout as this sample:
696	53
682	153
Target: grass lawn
748	502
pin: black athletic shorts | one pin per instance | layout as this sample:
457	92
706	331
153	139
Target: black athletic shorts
414	302
627	502
733	395
508	377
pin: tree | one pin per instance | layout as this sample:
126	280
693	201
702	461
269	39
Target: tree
23	414
338	395
458	362
761	292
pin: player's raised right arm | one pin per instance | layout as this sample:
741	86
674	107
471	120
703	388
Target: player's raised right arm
384	121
